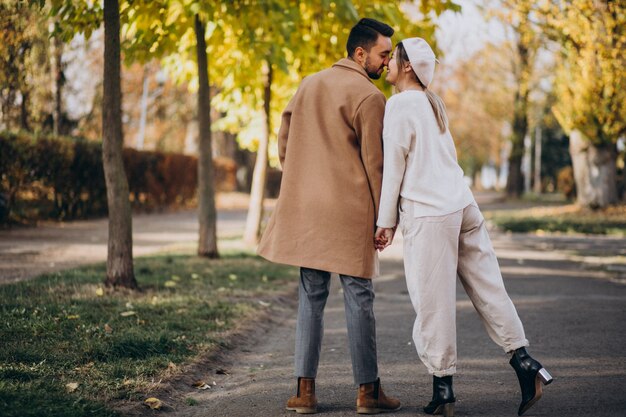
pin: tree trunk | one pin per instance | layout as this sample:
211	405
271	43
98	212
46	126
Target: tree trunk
594	171
56	68
120	248
24	111
515	179
207	215
537	186
141	134
257	192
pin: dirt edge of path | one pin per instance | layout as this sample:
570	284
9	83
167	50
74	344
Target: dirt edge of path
173	387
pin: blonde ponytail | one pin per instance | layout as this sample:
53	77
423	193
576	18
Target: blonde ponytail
439	108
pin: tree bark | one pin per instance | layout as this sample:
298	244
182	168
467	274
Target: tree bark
120	244
56	68
207	215
515	179
24	111
259	177
594	171
537	186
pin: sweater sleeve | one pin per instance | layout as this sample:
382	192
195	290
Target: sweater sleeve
397	136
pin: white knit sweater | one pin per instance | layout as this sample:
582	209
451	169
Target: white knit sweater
420	162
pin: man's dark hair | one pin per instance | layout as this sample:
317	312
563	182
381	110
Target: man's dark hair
365	33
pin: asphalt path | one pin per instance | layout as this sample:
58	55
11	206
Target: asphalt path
570	293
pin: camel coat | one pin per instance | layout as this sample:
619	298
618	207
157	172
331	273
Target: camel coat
330	149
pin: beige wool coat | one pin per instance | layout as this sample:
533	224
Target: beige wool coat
330	149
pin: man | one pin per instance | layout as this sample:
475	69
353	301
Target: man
330	149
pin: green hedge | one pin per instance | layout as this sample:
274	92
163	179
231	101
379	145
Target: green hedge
48	177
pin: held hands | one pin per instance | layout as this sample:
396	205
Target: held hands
383	237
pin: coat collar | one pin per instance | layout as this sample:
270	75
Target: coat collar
349	64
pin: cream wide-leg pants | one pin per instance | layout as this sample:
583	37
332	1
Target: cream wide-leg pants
436	250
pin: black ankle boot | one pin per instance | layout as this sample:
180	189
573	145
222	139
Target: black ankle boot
443	397
530	374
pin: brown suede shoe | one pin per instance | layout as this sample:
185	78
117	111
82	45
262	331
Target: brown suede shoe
372	399
304	402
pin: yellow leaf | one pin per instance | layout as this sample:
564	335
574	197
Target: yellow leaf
170	284
71	387
108	329
153	403
232	277
201	385
100	292
127	313
195	276
175	277
72	317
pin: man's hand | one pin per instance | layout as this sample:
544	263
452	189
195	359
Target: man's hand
383	237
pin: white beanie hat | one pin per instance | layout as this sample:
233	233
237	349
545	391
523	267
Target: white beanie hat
422	59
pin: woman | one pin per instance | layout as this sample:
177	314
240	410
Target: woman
444	232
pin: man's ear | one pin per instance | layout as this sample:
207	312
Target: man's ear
359	54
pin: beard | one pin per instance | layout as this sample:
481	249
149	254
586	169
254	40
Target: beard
371	71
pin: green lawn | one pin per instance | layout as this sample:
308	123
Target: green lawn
567	218
68	346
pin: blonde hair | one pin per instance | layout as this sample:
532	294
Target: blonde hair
439	108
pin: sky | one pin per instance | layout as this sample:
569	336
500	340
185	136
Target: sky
459	35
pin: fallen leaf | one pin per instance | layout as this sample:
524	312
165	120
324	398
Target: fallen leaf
129	305
108	329
170	284
153	403
264	278
71	387
219	322
99	291
264	303
175	277
195	276
72	317
127	313
201	385
232	277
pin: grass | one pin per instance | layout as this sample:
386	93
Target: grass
69	346
567	218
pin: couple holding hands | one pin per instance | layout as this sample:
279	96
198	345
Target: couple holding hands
338	206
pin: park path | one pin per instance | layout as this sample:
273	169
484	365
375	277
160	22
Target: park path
26	252
568	294
569	291
574	315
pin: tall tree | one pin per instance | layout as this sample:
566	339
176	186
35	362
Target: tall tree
120	243
207	214
177	30
517	14
81	17
590	89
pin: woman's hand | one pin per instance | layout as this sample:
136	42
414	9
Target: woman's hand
383	237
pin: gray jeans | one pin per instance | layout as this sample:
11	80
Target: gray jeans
358	296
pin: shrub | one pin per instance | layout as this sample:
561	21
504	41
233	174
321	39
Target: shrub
62	178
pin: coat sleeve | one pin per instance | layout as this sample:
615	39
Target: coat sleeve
368	125
283	132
